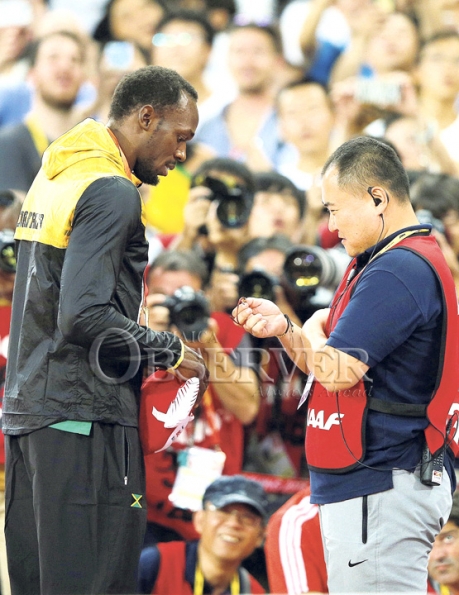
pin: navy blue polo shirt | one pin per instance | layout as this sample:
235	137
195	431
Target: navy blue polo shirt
395	317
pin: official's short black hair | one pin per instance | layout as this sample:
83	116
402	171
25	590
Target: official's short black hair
364	161
189	16
151	85
224	165
271	181
33	49
180	260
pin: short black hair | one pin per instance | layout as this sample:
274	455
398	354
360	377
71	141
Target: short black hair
103	30
151	85
189	16
364	161
438	193
306	82
224	165
228	5
443	35
33	49
180	260
271	181
278	242
270	30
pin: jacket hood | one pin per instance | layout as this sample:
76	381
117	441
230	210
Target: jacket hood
87	140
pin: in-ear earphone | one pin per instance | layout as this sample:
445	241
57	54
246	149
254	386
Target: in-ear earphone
376	200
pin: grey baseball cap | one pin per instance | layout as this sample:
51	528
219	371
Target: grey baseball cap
237	489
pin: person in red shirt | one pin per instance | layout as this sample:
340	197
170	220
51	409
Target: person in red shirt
230	525
231	401
294	553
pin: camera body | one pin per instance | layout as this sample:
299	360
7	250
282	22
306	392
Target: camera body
259	284
189	311
234	202
7	251
310	276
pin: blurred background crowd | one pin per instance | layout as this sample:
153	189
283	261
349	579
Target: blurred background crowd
281	84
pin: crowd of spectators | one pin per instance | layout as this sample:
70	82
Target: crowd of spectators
280	87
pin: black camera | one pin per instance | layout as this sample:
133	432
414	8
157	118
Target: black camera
309	278
189	311
7	251
308	267
234	202
258	284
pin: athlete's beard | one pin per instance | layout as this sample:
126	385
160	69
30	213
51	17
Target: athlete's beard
144	172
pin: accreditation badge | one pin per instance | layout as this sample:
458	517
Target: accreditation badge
198	468
307	390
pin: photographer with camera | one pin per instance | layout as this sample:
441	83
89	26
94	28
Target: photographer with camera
216	224
383	378
176	303
275	439
299	280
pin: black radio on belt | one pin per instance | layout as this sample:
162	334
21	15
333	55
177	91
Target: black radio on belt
432	467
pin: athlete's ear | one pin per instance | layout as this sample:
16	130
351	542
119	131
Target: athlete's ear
148	117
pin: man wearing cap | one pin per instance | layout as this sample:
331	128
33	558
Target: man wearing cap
444	557
231	525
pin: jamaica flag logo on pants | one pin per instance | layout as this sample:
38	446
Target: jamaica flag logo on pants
136	503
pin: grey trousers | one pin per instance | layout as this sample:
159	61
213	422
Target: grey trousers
381	542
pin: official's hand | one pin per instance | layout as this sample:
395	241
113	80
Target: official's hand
261	318
193	366
314	329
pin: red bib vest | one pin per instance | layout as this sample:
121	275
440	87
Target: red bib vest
335	435
171	576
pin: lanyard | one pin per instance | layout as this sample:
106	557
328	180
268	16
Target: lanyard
199	582
396	240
